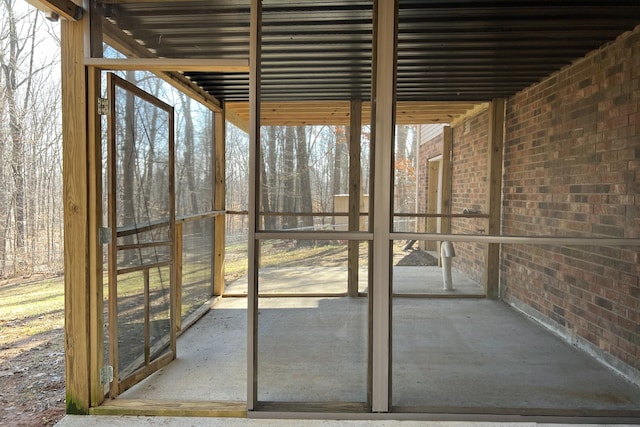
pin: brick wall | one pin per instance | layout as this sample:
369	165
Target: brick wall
572	168
430	146
469	190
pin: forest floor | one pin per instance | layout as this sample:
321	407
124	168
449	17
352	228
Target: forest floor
32	385
32	389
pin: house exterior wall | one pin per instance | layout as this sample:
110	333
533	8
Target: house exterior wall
572	168
469	189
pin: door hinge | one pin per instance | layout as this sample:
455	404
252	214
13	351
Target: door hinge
105	235
103	106
106	374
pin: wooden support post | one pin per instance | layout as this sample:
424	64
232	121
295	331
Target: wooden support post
92	23
77	258
433	192
494	193
178	272
219	197
385	42
147	316
445	196
445	190
176	306
113	247
96	295
255	31
355	135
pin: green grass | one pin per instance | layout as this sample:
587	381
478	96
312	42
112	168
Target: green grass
196	285
33	307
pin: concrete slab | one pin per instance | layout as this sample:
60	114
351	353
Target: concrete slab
312	350
211	362
452	354
473	356
429	281
484	355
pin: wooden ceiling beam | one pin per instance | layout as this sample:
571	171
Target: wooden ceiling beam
167	65
64	8
338	112
120	41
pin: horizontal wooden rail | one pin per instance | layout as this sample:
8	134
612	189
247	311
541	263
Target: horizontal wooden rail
197	217
309	214
314	235
143	267
129	230
145	245
519	240
364	214
436	215
295	213
237	212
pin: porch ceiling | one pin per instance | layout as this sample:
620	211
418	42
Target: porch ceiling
448	50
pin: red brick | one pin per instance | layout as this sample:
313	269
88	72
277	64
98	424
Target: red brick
581	179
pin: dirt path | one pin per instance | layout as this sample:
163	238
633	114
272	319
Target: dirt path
32	390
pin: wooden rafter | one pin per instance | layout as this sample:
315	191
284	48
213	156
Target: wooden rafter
295	113
165	64
64	8
120	41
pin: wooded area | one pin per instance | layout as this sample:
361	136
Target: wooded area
302	167
31	226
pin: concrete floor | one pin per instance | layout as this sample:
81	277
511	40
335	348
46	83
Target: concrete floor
449	355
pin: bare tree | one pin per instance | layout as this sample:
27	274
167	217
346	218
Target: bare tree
29	138
304	179
288	198
189	166
271	180
268	193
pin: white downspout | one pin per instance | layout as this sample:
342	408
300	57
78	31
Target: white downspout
446	253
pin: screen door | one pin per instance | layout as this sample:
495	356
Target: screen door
141	212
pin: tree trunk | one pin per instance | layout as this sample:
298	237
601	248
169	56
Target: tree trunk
304	177
338	166
128	165
401	156
4	208
269	195
264	192
150	197
189	165
288	197
15	129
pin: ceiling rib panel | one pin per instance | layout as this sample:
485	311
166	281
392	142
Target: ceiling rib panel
448	50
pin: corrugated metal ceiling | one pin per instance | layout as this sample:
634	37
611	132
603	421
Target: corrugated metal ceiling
448	50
